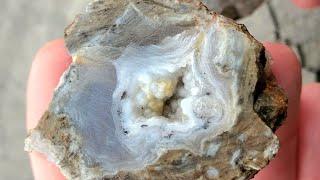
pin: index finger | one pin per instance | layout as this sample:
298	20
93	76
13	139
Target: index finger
286	69
49	64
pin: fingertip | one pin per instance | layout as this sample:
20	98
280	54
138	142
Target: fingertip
49	63
52	51
307	4
310	104
309	128
283	54
310	91
287	70
44	169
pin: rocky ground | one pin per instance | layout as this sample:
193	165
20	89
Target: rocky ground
281	21
26	26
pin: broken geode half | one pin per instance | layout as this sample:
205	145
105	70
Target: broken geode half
161	90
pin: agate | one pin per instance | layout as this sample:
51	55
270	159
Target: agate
161	90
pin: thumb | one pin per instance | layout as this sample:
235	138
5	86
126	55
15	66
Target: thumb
49	64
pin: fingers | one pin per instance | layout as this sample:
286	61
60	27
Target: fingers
309	132
287	71
49	64
43	169
307	3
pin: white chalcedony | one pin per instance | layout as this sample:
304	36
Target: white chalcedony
186	79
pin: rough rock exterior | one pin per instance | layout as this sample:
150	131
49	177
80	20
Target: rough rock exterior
238	152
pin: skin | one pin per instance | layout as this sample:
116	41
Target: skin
307	3
299	153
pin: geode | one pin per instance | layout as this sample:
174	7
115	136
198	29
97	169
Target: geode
161	90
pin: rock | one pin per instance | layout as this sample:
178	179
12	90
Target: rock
260	24
311	54
292	20
161	90
308	76
234	9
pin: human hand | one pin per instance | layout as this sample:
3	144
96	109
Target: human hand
52	60
299	152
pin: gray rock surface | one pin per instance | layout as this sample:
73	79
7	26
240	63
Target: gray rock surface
260	24
308	76
310	50
26	26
